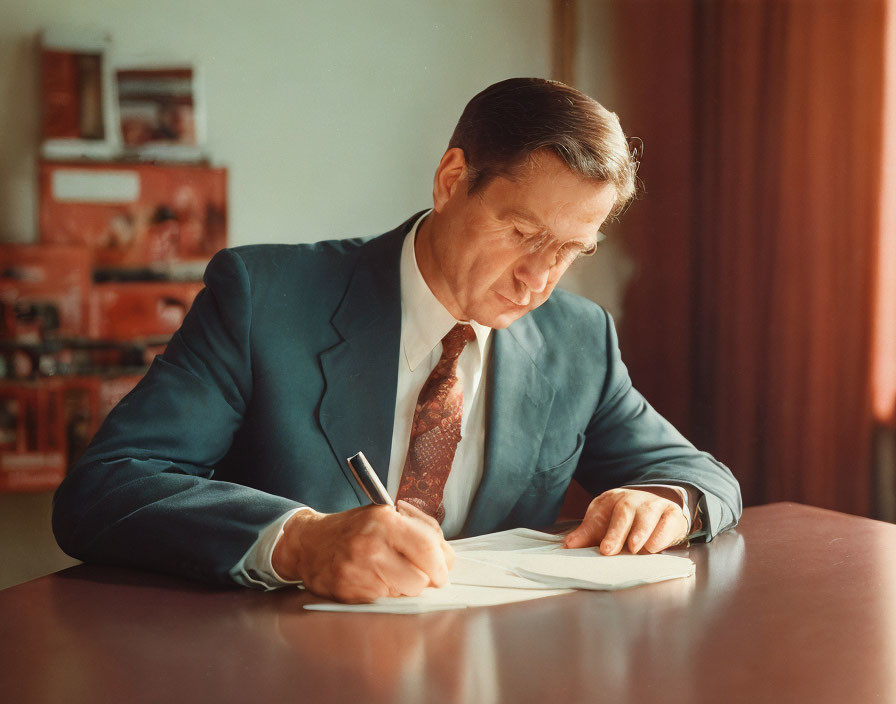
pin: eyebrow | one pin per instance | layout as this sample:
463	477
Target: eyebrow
526	214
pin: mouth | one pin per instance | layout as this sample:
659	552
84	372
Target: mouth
511	301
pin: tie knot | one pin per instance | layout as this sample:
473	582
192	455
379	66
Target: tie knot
454	342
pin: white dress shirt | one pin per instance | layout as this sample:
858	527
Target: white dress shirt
424	322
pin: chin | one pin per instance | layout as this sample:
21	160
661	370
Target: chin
499	320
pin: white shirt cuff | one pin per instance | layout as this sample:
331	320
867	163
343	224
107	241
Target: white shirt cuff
255	569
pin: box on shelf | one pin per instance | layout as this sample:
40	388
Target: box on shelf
43	291
133	215
83	313
125	311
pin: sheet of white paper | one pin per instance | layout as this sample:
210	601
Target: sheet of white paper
587	569
501	587
476	569
522	564
451	596
561	569
517	539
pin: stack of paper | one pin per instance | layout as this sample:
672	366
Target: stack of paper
522	564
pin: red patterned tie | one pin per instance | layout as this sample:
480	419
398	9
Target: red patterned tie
436	429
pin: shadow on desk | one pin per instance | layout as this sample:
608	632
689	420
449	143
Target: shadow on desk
130	577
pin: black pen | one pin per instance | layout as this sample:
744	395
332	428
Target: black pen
368	480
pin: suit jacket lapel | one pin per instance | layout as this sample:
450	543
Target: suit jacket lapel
519	403
360	372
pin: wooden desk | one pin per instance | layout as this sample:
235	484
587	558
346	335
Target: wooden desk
797	605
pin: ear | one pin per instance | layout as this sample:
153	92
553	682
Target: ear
450	175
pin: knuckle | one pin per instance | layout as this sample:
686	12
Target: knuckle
606	500
626	505
342	572
449	559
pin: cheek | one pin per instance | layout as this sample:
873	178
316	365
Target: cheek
490	267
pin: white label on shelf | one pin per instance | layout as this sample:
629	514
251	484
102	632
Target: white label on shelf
30	461
91	186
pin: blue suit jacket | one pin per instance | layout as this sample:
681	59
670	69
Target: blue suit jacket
287	364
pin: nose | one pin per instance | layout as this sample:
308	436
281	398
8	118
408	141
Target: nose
533	271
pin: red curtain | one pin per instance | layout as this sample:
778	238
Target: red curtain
756	242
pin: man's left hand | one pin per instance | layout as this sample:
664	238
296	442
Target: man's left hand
644	519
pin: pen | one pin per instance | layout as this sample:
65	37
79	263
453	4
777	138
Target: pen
368	481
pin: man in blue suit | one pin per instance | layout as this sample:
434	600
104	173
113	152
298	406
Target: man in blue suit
227	461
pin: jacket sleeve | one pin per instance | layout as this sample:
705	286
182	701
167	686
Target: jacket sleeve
627	442
143	494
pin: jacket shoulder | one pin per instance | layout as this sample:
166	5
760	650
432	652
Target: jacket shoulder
318	261
566	316
269	259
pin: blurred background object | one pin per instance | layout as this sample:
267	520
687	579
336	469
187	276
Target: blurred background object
765	243
76	93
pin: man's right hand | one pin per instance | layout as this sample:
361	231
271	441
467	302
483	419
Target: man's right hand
359	555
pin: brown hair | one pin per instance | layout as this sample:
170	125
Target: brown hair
503	126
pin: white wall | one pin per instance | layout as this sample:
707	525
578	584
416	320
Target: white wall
331	116
603	277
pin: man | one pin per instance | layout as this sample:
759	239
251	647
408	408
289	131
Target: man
436	350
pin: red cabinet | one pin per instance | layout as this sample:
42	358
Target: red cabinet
82	313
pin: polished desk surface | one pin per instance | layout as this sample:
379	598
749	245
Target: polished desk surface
797	604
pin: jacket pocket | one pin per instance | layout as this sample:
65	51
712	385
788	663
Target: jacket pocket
548	479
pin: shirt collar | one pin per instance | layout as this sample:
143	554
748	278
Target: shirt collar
424	320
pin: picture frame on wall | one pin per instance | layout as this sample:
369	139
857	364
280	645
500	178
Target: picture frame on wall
161	111
77	94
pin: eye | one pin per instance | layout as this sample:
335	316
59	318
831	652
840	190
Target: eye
533	241
573	250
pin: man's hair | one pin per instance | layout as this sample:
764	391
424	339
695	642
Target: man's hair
504	125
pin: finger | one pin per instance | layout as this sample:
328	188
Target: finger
401	576
646	518
411	511
671	529
348	583
422	545
448	552
593	527
617	531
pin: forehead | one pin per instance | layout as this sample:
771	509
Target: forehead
549	195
